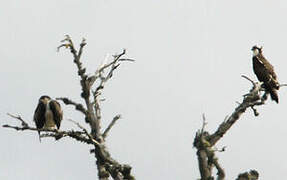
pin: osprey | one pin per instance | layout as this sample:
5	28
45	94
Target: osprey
48	114
265	73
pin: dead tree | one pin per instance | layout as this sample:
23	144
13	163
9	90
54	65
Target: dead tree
205	142
92	86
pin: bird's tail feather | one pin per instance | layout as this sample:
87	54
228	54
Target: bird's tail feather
274	95
39	136
275	84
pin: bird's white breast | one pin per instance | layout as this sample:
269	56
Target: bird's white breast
50	124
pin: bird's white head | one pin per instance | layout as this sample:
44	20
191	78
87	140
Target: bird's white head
45	99
256	50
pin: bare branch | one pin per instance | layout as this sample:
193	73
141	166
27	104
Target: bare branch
83	43
85	131
24	124
248	79
17	128
57	134
103	79
117	117
204	123
78	124
131	60
78	106
112	65
250	100
86	86
116	59
220	150
204	142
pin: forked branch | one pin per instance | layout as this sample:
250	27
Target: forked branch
205	142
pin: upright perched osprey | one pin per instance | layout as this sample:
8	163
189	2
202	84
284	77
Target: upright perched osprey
265	73
48	114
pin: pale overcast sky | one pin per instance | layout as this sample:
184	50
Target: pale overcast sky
190	56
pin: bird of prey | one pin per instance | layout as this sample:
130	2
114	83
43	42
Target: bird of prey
265	73
48	114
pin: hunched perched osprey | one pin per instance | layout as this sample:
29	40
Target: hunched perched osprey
48	114
265	73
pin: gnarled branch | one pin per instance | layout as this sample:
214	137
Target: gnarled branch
204	142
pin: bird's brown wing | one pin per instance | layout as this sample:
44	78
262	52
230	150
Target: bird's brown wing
268	67
265	72
57	112
39	115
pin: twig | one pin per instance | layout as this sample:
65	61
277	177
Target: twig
256	113
113	65
18	128
116	58
248	79
204	123
131	60
78	124
66	43
82	45
24	124
86	132
220	150
117	117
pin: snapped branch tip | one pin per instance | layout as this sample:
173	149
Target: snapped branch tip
249	79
